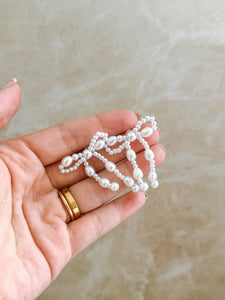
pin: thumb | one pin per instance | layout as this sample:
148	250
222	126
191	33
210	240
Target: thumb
10	96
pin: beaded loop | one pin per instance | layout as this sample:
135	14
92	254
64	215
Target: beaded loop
101	141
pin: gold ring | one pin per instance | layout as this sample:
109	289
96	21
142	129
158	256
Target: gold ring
69	210
72	203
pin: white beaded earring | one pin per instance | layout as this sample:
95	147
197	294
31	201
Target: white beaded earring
101	141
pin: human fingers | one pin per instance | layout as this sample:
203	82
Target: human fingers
59	180
51	144
89	194
10	96
87	229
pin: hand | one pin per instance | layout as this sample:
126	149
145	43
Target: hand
36	237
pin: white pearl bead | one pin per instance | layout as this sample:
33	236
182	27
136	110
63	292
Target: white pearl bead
135	188
75	156
104	182
131	155
149	154
67	161
152	176
90	171
60	167
144	186
114	186
155	184
110	166
87	154
128	181
147	131
119	138
131	136
99	144
137	173
111	140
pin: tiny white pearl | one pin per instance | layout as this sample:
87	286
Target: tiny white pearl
61	167
131	155
111	140
110	166
128	181
147	118
155	184
135	188
87	154
104	182
147	131
149	154
152	176
99	144
114	186
90	171
138	134
119	138
144	186
137	173
75	156
131	136
67	161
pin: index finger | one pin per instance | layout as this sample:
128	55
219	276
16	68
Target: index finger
50	145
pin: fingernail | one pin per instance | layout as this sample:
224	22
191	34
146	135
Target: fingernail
11	82
164	149
138	116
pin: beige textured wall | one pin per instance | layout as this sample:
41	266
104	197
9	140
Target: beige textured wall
76	58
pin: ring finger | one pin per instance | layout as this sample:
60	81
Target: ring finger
90	195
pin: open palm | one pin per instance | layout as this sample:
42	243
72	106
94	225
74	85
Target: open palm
36	237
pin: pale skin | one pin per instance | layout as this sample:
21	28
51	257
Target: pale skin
36	238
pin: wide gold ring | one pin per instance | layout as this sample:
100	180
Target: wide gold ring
70	203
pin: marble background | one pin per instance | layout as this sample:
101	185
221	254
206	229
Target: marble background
77	58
